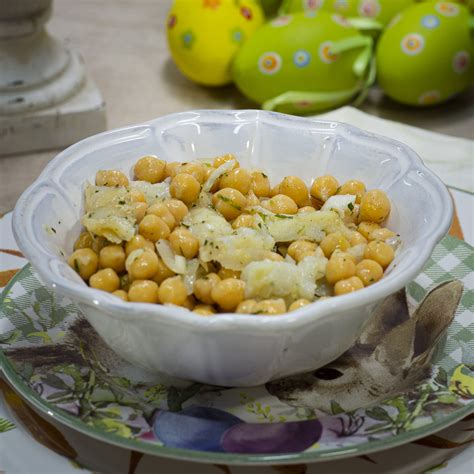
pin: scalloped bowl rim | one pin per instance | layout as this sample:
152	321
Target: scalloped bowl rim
43	262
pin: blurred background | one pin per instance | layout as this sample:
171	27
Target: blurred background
125	50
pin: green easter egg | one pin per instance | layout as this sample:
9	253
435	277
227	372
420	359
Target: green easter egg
468	3
295	54
380	10
424	55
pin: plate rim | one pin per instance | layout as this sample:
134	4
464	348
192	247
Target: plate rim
182	454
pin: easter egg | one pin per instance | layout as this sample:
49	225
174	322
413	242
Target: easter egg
424	55
204	35
381	10
290	64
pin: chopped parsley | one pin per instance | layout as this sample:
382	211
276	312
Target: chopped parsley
53	229
350	206
229	201
121	202
283	216
264	175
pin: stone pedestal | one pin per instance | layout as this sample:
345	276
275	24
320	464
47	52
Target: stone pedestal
47	99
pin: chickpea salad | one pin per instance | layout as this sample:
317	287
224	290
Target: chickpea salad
212	236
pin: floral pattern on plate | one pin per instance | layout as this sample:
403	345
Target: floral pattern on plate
67	367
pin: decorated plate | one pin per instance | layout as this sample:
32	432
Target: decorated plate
410	374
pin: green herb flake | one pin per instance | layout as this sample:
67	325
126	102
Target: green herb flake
121	202
53	229
350	206
229	201
283	216
264	175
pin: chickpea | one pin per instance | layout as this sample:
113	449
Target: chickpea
185	187
275	190
137	196
311	202
366	228
85	262
204	310
324	187
140	210
105	280
298	304
340	254
281	204
374	206
145	266
173	291
260	184
295	188
369	271
138	242
162	273
195	169
246	307
356	238
300	249
270	307
380	252
123	295
171	169
220	160
244	220
381	234
238	178
203	287
153	228
143	291
229	202
348	285
111	178
252	200
84	241
228	273
303	209
183	242
177	208
150	168
273	256
161	210
354	187
339	267
228	293
332	242
113	256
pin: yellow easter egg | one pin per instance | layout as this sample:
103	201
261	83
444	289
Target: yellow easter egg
204	35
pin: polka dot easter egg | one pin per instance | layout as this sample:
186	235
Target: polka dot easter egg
424	55
204	35
293	64
381	10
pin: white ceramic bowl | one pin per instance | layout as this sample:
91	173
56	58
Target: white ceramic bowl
233	349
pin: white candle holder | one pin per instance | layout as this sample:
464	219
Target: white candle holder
47	100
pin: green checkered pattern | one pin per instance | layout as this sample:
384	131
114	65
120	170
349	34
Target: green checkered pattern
451	259
31	314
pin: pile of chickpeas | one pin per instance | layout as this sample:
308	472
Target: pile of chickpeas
147	279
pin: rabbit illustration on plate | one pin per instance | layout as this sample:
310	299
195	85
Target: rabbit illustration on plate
391	355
